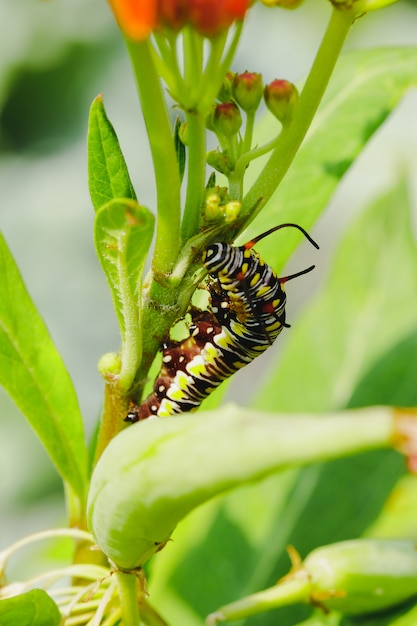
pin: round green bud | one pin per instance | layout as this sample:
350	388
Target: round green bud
281	98
227	119
109	366
231	211
247	90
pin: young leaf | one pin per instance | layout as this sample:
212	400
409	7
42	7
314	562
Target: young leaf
123	234
32	372
365	88
108	176
34	608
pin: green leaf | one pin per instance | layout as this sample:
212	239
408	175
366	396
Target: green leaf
32	372
365	88
34	608
108	177
391	380
123	234
367	306
179	148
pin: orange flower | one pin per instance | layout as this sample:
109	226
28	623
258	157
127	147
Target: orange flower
137	18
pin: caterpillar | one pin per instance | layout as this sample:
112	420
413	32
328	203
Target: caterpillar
246	314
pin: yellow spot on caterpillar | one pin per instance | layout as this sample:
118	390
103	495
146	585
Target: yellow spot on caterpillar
262	290
255	279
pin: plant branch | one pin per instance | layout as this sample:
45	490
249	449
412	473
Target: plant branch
163	154
293	134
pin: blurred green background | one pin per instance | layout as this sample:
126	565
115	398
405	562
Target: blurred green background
55	56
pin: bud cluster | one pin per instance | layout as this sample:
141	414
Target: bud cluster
243	94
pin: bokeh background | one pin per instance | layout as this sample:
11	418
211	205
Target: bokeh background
55	57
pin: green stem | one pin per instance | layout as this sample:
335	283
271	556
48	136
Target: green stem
129	601
115	408
212	77
293	134
247	140
163	155
285	593
193	63
196	174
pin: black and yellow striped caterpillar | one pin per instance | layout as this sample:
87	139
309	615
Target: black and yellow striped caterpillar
246	315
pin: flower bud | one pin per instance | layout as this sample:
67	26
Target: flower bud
227	119
109	366
225	92
212	207
183	133
136	19
211	17
231	211
281	98
284	4
219	161
247	89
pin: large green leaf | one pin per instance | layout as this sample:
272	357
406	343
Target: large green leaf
123	234
367	306
365	88
32	372
34	608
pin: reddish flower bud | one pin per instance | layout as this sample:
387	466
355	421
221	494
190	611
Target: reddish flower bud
227	119
281	97
211	17
247	89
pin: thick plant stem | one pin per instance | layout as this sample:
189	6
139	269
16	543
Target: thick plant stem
166	169
293	134
115	408
129	601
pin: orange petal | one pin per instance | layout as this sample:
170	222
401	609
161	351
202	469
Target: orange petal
136	18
